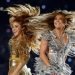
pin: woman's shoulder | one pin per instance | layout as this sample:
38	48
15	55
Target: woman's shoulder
46	35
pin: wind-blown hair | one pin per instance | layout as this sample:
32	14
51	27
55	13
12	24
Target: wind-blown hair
19	14
32	22
67	18
23	10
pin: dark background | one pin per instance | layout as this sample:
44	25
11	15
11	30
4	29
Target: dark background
45	6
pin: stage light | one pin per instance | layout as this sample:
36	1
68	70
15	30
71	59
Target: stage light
8	30
1	8
69	59
8	1
43	6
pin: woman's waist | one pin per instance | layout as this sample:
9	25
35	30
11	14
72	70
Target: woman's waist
55	59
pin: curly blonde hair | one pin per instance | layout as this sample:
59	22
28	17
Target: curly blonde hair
19	14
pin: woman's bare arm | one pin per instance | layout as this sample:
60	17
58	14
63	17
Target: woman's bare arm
43	50
17	69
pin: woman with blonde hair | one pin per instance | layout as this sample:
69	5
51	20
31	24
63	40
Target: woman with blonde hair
21	40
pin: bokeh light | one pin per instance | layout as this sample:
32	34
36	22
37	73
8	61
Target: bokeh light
43	6
1	8
8	1
69	60
8	30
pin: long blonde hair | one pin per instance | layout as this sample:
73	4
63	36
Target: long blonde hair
19	14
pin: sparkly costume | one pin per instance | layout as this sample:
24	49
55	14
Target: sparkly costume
35	23
17	57
56	55
20	49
